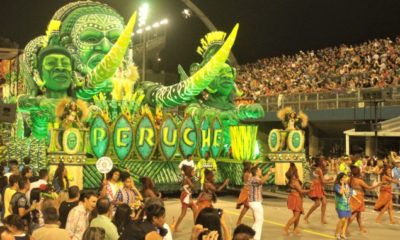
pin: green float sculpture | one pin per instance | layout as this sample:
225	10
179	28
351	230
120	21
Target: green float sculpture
97	41
217	97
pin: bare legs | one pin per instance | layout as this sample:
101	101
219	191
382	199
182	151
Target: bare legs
378	219
242	213
357	215
341	228
323	210
293	221
183	213
318	202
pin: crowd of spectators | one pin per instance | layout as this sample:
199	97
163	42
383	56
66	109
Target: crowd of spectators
345	68
37	207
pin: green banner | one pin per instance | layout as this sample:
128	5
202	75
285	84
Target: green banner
122	137
168	138
99	136
217	138
145	137
188	137
205	136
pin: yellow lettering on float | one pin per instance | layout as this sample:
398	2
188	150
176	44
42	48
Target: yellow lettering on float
206	141
217	133
186	138
146	137
98	135
121	134
166	140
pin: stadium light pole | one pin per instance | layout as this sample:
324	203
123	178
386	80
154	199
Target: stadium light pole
206	20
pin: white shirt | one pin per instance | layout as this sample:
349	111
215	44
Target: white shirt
36	184
186	162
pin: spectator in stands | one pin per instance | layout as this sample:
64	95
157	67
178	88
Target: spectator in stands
78	217
50	230
66	206
371	64
103	219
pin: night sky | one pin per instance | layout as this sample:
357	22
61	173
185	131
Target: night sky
268	27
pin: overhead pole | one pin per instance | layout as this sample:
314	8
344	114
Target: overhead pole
209	24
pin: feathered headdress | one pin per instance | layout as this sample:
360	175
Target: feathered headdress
281	114
216	38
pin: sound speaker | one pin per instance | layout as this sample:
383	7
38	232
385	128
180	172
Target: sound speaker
363	127
370	94
8	112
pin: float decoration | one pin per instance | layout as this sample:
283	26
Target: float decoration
122	137
99	136
169	138
188	137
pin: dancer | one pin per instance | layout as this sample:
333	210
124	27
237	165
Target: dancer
343	193
186	195
317	193
357	203
207	196
295	199
385	202
255	198
244	193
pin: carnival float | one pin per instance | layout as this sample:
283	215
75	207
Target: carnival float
83	99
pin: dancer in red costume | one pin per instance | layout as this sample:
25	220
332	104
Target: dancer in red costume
357	203
295	199
385	202
186	195
317	193
207	196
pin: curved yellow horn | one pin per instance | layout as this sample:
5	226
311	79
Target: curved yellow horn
184	91
110	63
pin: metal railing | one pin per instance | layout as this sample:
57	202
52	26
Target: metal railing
325	100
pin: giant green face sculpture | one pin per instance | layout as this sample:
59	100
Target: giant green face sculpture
94	35
225	83
57	72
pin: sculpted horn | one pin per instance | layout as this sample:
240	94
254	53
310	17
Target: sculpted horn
110	63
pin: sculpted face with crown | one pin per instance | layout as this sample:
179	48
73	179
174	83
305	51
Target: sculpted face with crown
94	35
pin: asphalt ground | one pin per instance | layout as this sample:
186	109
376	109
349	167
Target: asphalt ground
276	215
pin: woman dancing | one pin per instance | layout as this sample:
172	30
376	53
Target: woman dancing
343	194
186	195
207	196
385	202
295	199
317	193
243	199
357	202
